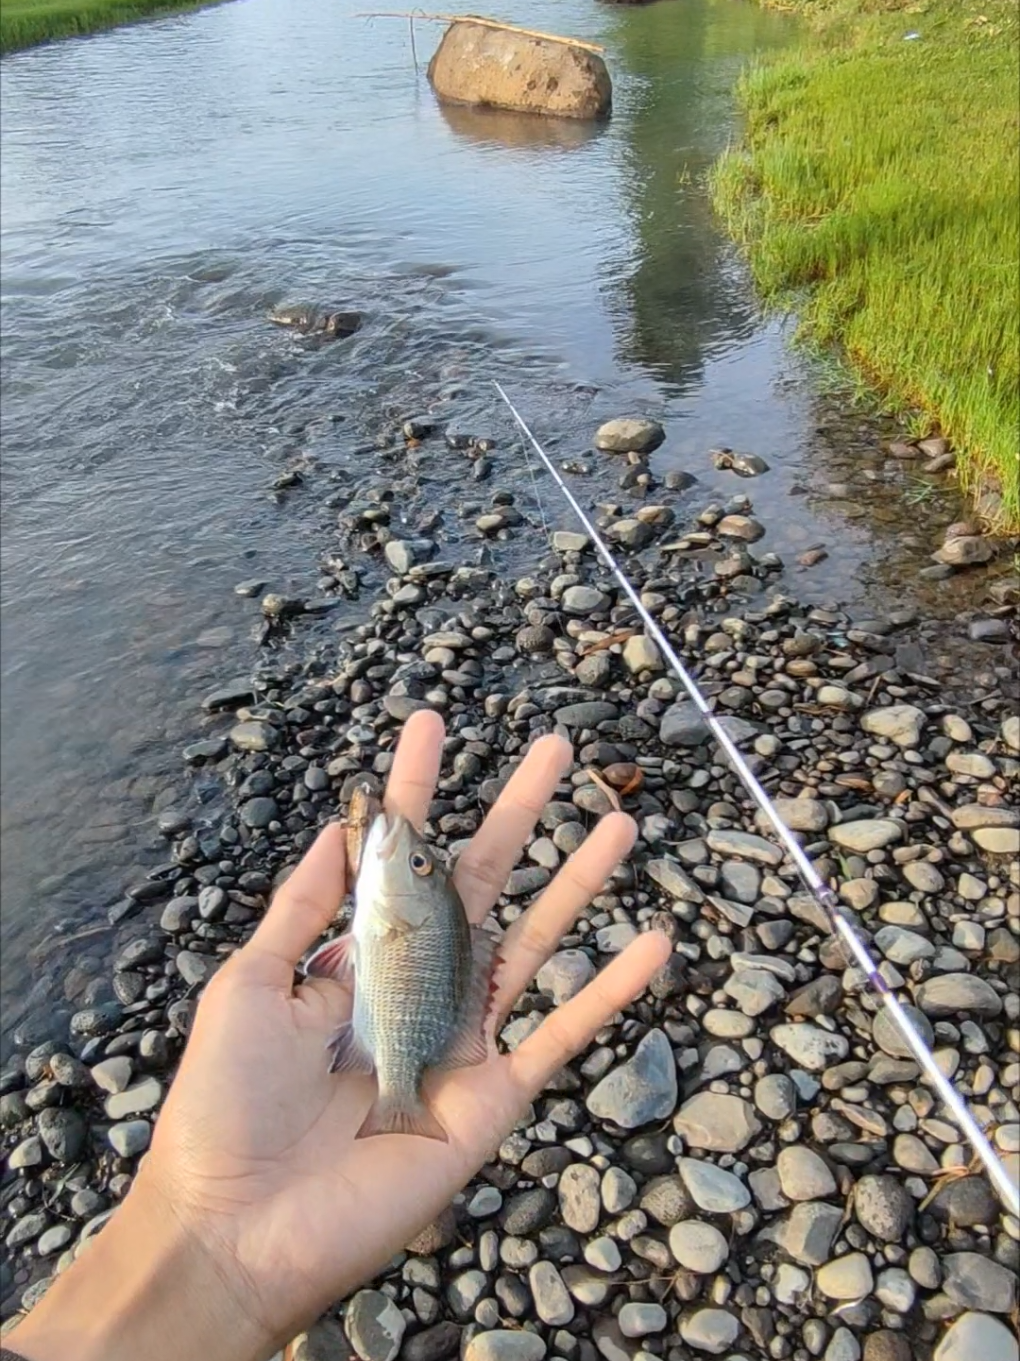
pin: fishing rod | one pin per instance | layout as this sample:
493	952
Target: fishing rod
824	896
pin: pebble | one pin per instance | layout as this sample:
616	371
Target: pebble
866	834
846	1278
883	1207
374	1326
580	1202
803	1175
710	1330
564	975
603	1254
135	1100
810	1231
977	1335
641	1090
553	1304
976	1282
502	1344
130	1137
698	1246
775	1096
717	1122
713	1189
898	723
809	1046
64	1134
950	993
639	1320
728	842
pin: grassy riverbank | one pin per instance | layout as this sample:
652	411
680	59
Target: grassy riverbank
26	23
876	189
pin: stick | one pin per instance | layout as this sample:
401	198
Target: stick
482	22
823	895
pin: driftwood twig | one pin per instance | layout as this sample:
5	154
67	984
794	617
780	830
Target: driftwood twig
482	22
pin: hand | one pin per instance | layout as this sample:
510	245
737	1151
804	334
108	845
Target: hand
254	1168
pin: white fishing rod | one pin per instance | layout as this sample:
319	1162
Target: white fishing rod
819	890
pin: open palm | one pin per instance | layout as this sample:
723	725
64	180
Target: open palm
256	1140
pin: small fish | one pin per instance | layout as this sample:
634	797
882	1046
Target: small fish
423	978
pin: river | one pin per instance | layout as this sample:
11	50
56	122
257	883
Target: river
162	186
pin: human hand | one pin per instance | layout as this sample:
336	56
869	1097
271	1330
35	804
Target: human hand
254	1164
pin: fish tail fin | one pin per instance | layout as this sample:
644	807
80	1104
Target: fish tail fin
396	1114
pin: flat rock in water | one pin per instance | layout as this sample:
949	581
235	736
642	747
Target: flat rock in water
629	435
642	1089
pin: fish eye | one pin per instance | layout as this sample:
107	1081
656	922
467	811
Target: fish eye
420	863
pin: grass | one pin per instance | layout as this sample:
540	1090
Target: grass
876	191
27	23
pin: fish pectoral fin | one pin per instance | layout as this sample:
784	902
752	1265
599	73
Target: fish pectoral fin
469	1043
333	960
401	1115
347	1054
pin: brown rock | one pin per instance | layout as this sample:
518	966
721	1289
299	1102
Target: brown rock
886	1345
965	550
507	69
435	1236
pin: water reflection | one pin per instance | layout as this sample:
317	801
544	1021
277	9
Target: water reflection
681	299
519	131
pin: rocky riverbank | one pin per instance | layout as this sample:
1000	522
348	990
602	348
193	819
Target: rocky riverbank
748	1162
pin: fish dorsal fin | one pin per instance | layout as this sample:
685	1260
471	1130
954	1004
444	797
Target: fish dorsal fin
333	960
469	1043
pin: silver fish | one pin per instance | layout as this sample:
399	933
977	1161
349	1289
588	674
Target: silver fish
423	978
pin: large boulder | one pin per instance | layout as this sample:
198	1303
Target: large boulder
507	69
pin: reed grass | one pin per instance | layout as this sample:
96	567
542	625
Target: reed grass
27	23
876	190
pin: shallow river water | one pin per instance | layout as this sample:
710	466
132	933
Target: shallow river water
162	187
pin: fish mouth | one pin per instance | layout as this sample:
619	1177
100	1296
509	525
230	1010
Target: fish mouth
385	834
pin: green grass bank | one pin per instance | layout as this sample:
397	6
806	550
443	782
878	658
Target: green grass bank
26	23
876	190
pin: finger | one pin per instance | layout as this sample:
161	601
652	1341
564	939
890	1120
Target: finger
567	1030
532	938
307	902
415	769
482	870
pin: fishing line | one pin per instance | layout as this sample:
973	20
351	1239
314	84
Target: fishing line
824	896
